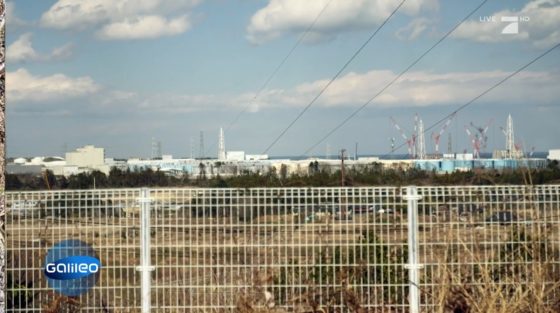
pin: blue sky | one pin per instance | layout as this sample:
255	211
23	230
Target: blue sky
117	73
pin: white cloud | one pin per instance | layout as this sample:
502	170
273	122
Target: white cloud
294	16
22	50
416	89
414	29
121	19
420	89
151	26
541	29
62	52
23	86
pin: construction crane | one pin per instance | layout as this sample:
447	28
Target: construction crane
475	142
409	141
482	132
437	136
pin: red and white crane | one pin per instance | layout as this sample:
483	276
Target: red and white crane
409	141
482	130
437	136
475	142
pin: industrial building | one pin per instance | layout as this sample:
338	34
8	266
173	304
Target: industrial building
236	162
452	165
87	158
84	159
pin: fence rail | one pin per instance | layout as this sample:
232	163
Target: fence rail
284	249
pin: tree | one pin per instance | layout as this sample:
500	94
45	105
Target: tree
283	172
13	182
99	179
50	179
201	171
80	181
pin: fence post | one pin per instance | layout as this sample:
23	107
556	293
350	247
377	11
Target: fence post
412	213
145	267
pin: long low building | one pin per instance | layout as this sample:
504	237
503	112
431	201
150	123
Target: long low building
452	165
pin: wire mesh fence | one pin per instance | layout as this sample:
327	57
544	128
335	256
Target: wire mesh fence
35	221
286	249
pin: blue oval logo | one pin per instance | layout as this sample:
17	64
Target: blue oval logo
72	267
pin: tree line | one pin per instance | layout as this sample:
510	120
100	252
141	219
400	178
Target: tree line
371	175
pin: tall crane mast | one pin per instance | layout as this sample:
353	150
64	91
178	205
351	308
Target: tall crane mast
511	147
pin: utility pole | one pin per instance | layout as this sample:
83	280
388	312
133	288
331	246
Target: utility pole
342	153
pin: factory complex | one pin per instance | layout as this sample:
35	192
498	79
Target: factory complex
232	163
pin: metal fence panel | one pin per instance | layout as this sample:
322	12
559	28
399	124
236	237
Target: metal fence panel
105	219
286	249
484	240
278	247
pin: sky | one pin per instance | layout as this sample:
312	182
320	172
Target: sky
120	74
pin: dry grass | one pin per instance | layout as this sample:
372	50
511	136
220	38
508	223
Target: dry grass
527	280
535	288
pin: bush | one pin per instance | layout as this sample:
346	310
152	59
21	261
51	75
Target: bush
337	269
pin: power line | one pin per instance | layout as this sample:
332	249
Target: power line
332	79
395	79
485	92
281	64
273	74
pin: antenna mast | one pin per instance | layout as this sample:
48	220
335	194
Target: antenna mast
201	146
510	138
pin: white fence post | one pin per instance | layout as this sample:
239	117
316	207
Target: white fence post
145	267
412	212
